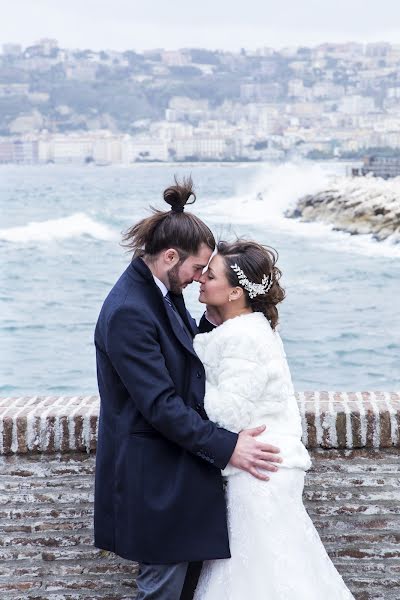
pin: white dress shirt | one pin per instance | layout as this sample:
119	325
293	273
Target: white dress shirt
161	285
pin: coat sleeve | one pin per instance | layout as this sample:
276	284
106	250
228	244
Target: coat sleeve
248	383
133	348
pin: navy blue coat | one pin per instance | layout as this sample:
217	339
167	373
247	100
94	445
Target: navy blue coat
158	493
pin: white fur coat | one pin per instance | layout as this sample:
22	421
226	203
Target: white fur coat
248	383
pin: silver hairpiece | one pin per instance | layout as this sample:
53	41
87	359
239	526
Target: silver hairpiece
254	289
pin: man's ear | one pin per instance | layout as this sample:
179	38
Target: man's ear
170	257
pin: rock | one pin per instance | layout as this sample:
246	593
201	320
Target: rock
357	205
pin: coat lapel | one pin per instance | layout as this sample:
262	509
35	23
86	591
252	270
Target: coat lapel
177	328
140	267
179	303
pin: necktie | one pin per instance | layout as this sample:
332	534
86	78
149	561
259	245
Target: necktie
178	317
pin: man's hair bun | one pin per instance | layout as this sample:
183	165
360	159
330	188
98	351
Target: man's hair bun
177	195
168	229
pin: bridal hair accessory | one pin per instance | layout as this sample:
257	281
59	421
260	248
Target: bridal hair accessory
254	289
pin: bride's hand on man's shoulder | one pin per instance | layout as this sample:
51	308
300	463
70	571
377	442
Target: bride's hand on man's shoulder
251	455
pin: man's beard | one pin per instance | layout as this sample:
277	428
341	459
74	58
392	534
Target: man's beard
175	284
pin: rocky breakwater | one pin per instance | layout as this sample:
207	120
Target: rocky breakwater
363	205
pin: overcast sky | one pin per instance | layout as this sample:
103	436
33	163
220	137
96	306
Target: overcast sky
218	24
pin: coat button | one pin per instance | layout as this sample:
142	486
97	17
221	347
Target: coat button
198	374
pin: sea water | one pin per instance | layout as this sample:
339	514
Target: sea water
60	251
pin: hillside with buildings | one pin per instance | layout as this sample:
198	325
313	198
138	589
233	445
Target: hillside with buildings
333	100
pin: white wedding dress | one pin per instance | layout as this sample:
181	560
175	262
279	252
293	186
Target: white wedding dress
276	553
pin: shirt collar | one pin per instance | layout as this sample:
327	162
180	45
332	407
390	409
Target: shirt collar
161	285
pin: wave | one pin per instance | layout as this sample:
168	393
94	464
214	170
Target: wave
76	225
265	197
263	201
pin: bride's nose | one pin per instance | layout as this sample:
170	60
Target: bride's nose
202	278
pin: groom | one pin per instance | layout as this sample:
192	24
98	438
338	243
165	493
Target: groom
159	498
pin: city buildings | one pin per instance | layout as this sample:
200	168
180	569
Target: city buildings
81	106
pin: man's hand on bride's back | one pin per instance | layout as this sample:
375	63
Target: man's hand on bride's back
251	455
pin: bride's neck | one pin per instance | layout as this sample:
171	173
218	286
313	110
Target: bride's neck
230	311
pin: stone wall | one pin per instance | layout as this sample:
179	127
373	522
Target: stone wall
47	455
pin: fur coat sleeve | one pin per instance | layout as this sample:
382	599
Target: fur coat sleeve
245	377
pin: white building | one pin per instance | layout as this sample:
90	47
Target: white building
387	124
181	108
296	88
47	45
356	104
60	148
169	130
12	49
391	139
22	150
210	147
393	92
327	89
143	148
107	150
183	103
81	71
26	151
175	58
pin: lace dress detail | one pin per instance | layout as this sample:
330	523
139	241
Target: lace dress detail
276	552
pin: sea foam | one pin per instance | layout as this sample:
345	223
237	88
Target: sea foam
263	200
75	225
265	197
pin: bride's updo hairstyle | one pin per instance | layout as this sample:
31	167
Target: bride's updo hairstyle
255	260
170	229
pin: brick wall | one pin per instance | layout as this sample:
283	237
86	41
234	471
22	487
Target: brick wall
47	455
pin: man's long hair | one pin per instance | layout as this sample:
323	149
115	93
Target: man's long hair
170	229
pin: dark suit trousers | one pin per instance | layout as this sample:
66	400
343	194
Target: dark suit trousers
167	582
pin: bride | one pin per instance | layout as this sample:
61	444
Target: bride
276	551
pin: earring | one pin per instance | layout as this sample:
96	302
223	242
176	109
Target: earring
229	299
